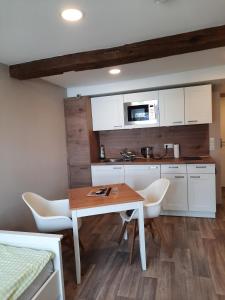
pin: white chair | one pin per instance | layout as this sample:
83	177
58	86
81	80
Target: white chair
49	215
153	196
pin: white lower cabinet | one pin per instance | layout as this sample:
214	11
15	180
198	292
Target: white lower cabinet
139	177
107	174
192	190
176	196
201	192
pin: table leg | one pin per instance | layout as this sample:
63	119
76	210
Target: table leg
142	236
76	246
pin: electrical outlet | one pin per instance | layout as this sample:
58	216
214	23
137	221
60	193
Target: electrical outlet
169	146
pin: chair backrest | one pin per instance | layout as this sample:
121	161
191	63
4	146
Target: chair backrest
155	192
37	204
39	207
45	213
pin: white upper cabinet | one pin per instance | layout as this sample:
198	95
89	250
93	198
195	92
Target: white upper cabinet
107	113
140	97
198	104
171	106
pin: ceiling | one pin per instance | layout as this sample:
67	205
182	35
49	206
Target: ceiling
31	30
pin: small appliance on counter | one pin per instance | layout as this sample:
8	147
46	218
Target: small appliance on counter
176	150
127	155
147	152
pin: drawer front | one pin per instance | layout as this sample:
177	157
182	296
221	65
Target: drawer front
173	168
201	168
142	167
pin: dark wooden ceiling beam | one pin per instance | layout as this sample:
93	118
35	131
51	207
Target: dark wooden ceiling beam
151	49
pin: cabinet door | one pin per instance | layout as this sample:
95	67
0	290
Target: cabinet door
107	174
77	131
201	192
198	104
107	113
79	176
139	177
141	96
171	107
176	196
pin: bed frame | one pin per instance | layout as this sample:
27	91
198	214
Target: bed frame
53	288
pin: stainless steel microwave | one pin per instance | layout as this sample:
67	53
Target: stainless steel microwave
141	113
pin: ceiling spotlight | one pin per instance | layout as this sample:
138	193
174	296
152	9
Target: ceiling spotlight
114	71
72	15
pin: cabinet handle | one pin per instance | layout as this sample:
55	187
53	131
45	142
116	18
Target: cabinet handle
195	176
153	167
117	168
192	121
175	167
117	126
179	176
200	167
178	122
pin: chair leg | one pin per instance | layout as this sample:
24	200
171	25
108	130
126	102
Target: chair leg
151	229
133	241
122	232
162	236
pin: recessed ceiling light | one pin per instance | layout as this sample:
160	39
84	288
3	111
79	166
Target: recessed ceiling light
114	71
72	14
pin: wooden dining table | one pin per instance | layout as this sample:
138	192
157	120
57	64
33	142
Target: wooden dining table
120	198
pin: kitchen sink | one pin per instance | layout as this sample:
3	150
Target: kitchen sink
113	160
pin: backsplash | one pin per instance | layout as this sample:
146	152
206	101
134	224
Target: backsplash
193	140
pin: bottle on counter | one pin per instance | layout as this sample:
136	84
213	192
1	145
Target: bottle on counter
102	152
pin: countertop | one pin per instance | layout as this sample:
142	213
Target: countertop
169	160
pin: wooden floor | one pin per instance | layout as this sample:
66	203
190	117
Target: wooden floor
196	271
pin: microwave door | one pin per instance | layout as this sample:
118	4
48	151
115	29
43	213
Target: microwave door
145	113
138	113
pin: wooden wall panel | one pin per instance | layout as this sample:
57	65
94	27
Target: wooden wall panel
193	139
80	176
82	142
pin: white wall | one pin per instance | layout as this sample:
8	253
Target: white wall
32	146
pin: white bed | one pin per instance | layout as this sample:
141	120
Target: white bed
53	288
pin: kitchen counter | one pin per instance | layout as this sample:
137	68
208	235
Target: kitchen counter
171	160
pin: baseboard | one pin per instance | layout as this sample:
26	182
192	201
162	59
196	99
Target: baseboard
179	213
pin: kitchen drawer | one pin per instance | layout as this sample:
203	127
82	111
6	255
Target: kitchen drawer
201	168
173	168
142	167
